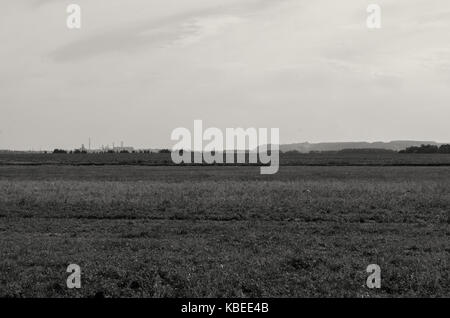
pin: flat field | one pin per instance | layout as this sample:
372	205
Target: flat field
291	159
144	231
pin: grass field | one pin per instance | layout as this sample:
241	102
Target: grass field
143	231
291	159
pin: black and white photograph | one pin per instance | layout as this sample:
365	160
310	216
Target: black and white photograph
224	154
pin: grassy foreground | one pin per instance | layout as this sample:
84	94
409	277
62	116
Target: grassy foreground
224	231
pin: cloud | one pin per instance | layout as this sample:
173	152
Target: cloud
178	29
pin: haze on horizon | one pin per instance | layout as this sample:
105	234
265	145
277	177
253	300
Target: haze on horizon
140	68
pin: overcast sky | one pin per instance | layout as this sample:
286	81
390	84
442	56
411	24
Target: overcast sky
137	69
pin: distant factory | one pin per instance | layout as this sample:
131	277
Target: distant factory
106	148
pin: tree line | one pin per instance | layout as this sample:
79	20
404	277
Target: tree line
427	149
79	151
415	149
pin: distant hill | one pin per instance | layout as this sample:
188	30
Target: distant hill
396	145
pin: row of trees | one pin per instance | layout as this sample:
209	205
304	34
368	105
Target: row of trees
78	151
427	149
421	149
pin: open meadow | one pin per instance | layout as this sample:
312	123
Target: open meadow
156	231
291	159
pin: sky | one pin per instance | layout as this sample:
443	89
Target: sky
138	69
